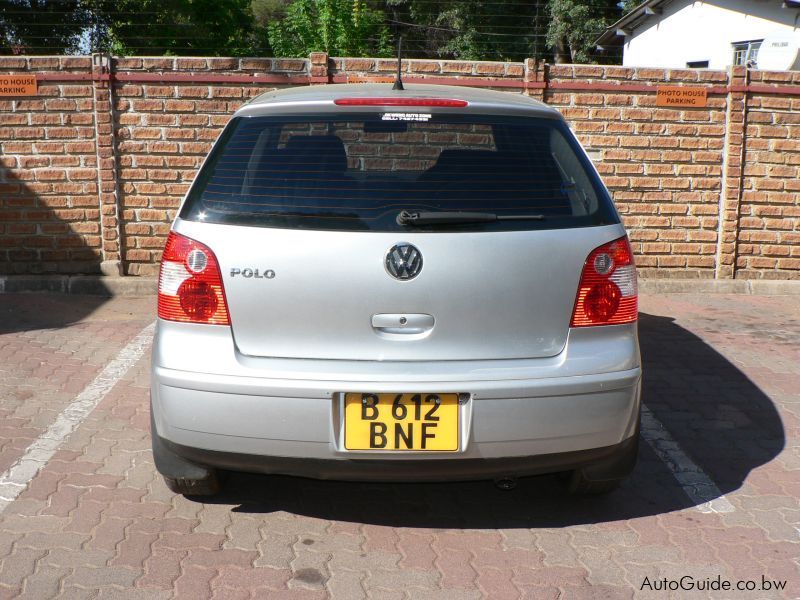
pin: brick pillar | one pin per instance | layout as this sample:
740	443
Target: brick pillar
319	67
106	165
535	72
733	157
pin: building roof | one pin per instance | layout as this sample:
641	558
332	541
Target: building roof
614	35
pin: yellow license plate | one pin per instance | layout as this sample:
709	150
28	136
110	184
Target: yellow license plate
420	422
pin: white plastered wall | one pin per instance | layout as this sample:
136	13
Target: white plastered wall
688	31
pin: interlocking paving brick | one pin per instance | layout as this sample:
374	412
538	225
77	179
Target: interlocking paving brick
161	569
20	564
347	584
71	592
131	594
61	557
214	520
47	358
109	533
455	569
247	577
97	577
46	583
275	550
194	582
722	375
134	549
8	592
416	549
397	579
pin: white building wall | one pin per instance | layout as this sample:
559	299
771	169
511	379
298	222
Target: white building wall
690	31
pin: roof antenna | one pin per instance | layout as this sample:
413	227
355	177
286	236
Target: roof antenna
398	82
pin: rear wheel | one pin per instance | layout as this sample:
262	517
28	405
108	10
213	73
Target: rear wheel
206	486
578	484
605	476
180	475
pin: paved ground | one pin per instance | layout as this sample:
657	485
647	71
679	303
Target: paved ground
723	394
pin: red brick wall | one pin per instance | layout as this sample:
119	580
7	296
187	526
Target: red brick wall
163	133
670	171
770	211
662	165
49	207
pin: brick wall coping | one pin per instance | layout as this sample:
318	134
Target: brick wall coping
182	78
488	82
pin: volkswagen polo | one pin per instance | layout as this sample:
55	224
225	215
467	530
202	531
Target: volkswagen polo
396	285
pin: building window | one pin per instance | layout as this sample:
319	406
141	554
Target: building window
746	53
697	64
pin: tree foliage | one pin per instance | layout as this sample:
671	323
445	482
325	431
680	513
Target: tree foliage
129	27
563	30
41	26
471	29
172	27
338	27
575	25
477	30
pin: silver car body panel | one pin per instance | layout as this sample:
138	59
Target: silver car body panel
491	294
492	311
316	99
207	395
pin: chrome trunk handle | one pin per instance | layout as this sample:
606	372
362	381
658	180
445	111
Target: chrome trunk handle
402	323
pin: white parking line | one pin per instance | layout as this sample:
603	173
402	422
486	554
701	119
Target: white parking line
694	481
18	476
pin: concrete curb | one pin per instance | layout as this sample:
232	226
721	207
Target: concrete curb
94	285
720	286
102	285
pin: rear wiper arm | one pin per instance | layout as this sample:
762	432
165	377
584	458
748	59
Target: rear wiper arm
444	217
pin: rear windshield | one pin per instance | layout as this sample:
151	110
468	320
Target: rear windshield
358	172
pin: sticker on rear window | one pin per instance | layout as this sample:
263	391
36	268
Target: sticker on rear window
405	116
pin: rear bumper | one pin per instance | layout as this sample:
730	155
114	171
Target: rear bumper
605	461
290	421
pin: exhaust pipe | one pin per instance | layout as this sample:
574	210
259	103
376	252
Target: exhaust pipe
505	483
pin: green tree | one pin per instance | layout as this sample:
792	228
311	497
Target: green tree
338	27
575	25
41	26
470	29
176	27
266	11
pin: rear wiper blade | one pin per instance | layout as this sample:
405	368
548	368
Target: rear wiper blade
444	217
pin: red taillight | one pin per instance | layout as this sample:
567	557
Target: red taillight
441	102
190	283
607	293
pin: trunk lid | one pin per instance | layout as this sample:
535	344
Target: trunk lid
491	295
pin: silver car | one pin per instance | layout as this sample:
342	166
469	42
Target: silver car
377	285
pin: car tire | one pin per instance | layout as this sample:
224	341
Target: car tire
605	476
579	485
180	475
207	486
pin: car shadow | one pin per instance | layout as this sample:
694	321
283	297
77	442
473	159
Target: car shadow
718	417
32	311
38	242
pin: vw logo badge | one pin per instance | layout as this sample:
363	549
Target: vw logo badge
403	261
